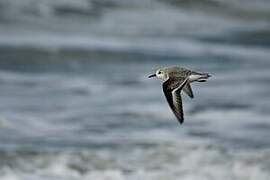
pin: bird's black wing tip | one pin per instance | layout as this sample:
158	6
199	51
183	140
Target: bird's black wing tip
181	121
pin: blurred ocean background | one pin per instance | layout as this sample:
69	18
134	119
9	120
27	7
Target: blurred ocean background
76	103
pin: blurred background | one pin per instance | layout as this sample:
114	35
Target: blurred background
76	103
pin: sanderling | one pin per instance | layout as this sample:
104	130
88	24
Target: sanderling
174	80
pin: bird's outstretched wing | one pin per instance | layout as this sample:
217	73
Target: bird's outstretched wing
187	89
173	96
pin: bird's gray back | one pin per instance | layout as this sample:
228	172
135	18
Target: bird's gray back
178	72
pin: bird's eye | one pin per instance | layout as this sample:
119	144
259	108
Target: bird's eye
159	72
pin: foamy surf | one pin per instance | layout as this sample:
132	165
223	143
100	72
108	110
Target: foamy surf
188	160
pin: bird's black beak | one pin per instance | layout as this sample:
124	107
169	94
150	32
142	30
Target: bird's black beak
152	75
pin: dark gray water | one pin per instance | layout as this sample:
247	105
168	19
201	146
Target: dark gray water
75	101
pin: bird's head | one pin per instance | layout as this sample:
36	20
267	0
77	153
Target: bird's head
160	74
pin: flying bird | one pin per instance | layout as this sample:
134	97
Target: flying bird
175	79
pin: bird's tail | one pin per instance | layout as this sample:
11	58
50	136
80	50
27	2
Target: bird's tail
200	77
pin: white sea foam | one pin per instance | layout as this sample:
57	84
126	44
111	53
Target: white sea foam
188	160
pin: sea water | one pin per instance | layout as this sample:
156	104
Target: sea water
76	103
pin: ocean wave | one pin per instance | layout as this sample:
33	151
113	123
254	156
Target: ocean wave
160	47
190	160
91	7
